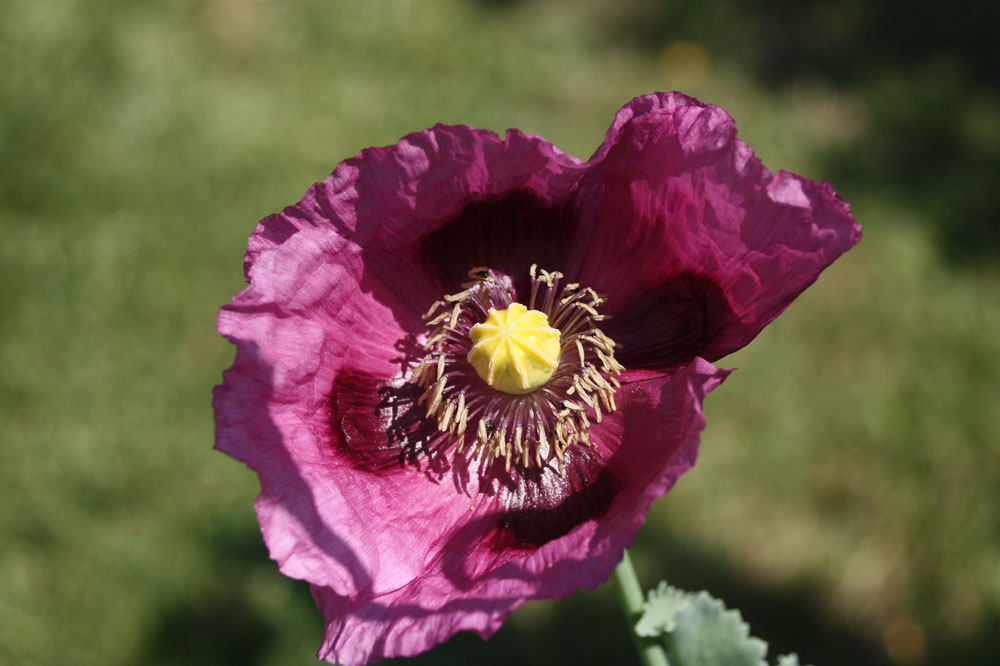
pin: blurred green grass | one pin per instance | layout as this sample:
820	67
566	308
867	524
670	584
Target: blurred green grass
847	494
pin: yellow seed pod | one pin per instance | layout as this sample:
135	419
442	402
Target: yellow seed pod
515	350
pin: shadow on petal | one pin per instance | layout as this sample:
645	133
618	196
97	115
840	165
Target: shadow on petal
246	431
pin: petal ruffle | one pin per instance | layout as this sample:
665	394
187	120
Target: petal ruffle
698	244
302	322
404	543
473	578
390	199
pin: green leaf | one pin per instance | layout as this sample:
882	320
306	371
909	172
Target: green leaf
698	630
706	634
660	611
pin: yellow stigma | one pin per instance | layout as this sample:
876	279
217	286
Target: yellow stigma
514	350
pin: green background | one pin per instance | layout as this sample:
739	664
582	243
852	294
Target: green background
848	494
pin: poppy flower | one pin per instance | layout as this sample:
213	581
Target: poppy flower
467	366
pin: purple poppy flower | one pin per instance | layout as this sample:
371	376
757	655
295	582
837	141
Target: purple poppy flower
467	366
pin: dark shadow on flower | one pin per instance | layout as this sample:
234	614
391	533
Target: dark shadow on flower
507	232
465	560
410	350
692	308
541	504
537	507
381	428
419	443
282	478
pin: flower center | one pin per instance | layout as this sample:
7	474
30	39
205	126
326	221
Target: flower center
512	381
515	350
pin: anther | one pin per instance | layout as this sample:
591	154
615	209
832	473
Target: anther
537	425
445	422
434	306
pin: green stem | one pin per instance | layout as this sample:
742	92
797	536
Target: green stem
650	650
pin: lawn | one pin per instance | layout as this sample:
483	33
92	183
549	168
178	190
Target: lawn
847	497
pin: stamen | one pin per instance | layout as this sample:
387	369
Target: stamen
438	319
534	287
436	400
445	422
549	412
462	414
543	443
434	306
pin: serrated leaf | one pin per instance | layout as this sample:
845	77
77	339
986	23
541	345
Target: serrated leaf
698	630
706	634
660	610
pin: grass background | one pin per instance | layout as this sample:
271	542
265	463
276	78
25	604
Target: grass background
848	494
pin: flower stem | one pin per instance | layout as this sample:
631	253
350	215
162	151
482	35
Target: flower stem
650	650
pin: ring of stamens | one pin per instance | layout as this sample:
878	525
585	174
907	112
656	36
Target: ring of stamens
536	428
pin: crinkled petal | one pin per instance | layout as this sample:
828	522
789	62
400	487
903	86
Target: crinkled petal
390	199
488	562
302	322
404	540
698	245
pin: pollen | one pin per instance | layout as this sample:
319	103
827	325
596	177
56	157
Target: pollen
515	350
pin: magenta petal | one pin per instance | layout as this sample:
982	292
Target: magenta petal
404	539
699	245
301	323
390	198
467	581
